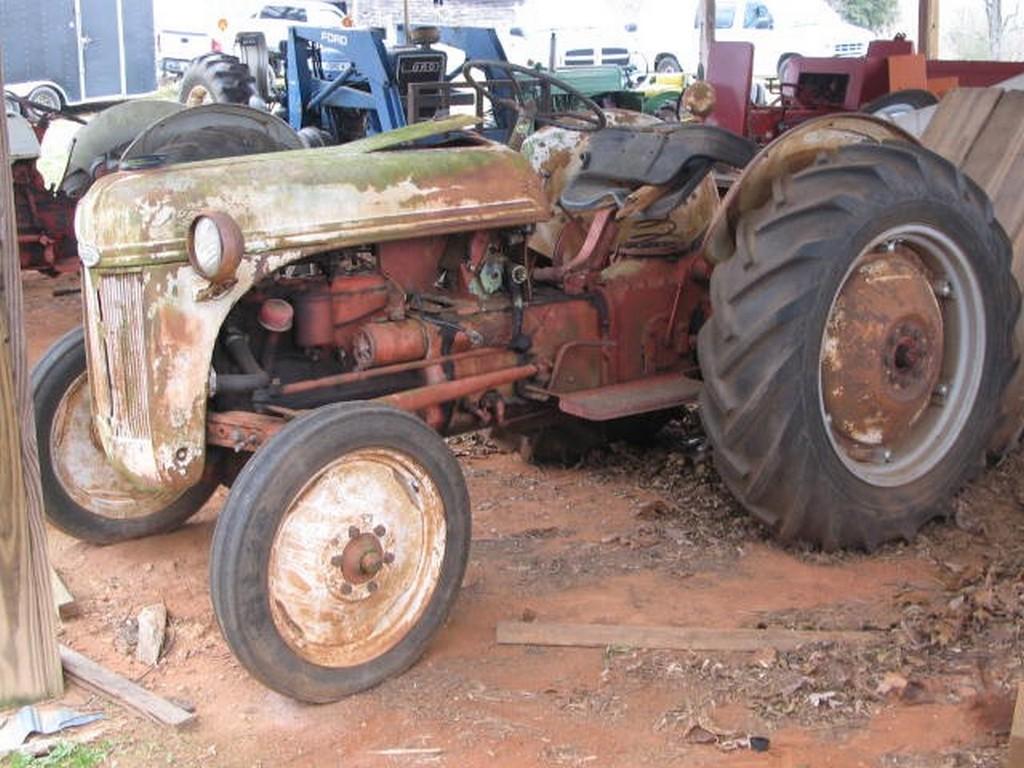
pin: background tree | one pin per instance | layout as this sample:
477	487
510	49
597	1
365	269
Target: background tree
875	15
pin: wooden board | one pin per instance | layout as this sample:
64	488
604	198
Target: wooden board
29	663
982	131
63	600
1016	757
91	675
667	638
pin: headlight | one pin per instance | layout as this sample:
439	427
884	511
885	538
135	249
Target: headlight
215	246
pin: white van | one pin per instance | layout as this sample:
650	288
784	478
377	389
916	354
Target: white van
668	32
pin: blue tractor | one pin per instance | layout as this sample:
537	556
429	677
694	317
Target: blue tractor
334	85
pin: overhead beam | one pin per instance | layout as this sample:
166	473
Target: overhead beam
928	28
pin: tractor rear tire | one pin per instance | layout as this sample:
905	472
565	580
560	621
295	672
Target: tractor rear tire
217	78
784	441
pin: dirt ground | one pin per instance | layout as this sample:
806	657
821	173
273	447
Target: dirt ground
630	536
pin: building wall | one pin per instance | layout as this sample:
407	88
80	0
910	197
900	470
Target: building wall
470	13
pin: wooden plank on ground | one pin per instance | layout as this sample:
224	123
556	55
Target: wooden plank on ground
1016	758
666	637
63	600
91	675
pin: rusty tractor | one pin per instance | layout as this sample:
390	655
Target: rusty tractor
306	326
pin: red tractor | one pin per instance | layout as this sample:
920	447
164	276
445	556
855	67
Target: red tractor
889	80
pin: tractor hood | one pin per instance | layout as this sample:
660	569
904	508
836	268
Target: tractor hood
307	201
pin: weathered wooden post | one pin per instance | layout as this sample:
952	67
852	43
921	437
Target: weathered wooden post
707	33
30	666
928	28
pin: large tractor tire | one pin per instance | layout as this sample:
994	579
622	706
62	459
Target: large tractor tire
84	496
859	346
216	78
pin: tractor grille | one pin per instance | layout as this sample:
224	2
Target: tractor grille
119	375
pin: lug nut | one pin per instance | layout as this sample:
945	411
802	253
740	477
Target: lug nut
352	531
371	587
380	530
346	588
389	557
337	561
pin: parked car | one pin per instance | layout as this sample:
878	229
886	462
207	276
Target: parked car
667	34
273	20
177	48
585	35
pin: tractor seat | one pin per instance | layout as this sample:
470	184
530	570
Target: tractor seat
620	159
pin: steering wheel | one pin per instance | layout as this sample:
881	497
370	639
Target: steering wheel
42	109
589	120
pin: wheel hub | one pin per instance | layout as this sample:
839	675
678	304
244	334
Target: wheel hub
883	350
356	558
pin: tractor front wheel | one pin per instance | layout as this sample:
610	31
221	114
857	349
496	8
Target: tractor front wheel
340	551
85	496
859	346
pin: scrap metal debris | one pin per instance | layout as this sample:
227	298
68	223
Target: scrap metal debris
38	720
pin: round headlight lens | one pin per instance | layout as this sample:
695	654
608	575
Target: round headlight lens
209	248
215	246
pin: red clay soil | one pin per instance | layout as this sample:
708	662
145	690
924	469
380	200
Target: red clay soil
629	536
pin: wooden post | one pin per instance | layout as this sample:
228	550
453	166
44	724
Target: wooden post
29	659
1016	756
707	34
928	28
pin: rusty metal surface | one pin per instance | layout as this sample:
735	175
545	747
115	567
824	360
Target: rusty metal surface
556	157
619	400
289	205
791	152
330	609
421	398
350	378
882	351
380	344
149	361
241	430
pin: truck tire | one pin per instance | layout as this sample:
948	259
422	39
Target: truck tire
859	346
294	590
216	78
83	494
899	102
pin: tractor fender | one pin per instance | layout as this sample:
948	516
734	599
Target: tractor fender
108	134
21	139
793	151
